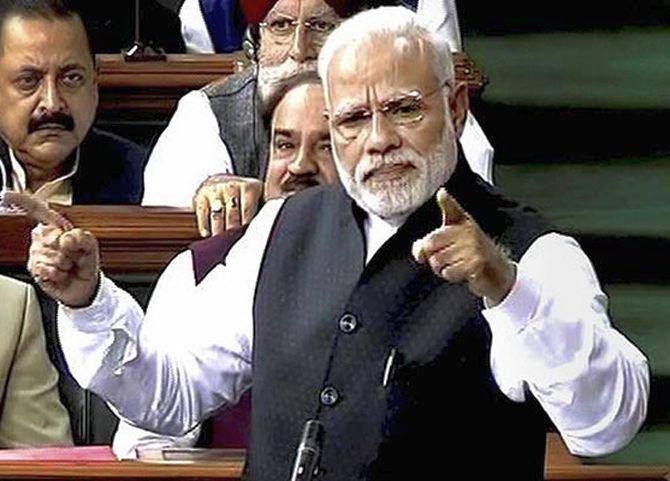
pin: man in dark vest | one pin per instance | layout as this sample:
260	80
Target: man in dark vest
390	338
48	100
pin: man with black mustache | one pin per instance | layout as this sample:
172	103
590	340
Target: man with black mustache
48	100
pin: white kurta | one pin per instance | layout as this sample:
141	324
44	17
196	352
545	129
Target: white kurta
192	351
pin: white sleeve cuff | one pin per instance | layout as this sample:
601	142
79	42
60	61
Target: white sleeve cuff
513	314
97	317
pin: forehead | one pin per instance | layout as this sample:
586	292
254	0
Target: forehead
380	67
41	40
309	8
301	109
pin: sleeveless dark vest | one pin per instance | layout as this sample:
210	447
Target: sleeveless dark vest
237	109
440	415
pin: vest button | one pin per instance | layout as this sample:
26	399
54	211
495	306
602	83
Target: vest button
348	323
329	396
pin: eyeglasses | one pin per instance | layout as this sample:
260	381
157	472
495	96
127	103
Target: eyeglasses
283	28
403	110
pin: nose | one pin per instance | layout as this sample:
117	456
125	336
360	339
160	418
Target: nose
383	136
303	164
302	46
51	99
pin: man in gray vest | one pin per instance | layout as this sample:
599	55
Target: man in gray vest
218	129
390	338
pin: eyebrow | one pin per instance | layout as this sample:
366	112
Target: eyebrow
284	132
72	66
348	107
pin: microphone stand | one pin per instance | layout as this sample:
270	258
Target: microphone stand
139	51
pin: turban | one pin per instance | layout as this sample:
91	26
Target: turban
256	10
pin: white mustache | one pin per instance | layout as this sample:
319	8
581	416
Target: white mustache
270	77
369	164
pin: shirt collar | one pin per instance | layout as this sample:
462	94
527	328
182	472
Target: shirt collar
57	190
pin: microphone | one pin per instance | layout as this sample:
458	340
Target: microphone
306	466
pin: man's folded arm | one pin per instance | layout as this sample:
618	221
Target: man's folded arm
552	337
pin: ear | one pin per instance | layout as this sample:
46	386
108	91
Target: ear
459	103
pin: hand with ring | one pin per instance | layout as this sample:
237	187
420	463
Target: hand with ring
225	202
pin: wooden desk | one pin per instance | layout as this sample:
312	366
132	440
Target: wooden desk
560	466
155	87
123	470
132	239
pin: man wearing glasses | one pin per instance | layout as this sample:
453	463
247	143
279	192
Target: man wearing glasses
390	338
219	129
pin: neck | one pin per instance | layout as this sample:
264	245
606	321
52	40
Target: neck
37	173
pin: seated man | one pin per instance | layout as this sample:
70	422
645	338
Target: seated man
300	157
380	327
222	120
48	100
210	118
30	413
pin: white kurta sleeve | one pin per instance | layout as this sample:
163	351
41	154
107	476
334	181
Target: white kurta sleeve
477	149
128	439
188	151
189	355
194	28
552	336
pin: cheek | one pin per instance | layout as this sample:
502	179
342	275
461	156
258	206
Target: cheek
328	170
347	155
276	170
83	108
14	118
425	139
271	54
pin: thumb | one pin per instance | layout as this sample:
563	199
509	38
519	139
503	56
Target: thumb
452	212
37	209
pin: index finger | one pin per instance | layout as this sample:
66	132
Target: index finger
37	209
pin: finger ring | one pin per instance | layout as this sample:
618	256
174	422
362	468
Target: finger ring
216	206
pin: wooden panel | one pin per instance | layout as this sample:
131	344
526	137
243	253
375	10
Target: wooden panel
155	87
125	470
132	239
561	465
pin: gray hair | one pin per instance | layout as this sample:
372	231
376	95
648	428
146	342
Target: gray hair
387	22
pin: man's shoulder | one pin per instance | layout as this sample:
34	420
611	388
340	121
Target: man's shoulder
113	144
118	152
317	197
110	170
244	81
14	295
13	288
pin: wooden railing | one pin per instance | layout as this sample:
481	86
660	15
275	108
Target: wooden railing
132	239
155	87
560	467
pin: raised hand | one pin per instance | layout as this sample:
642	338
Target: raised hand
225	202
64	261
460	252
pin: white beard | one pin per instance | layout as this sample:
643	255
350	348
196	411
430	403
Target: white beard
395	199
271	78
